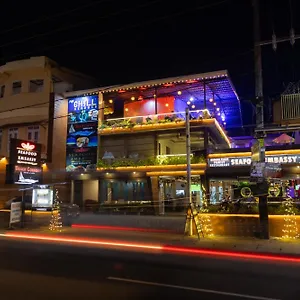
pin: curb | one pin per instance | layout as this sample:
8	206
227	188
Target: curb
121	228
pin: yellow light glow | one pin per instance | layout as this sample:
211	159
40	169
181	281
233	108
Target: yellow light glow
188	103
110	101
200	166
193	106
167	104
179	93
126	109
174	173
237	154
132	98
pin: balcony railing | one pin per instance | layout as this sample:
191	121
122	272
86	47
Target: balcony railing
156	121
160	160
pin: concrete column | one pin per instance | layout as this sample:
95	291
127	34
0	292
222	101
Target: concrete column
155	192
72	192
161	203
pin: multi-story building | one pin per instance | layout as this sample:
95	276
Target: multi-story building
142	136
30	95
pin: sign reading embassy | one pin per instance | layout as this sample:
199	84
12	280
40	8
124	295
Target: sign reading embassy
82	136
24	163
246	161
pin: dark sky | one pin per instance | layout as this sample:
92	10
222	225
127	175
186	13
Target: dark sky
124	41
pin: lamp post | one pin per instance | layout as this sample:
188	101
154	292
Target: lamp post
188	164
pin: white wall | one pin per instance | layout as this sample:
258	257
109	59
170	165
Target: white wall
90	189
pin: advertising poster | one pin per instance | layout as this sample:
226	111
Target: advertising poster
82	135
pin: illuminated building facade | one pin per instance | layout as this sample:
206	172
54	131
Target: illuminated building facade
141	152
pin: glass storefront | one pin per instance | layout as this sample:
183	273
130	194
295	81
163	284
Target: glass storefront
124	190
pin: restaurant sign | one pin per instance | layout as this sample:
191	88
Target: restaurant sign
25	152
246	161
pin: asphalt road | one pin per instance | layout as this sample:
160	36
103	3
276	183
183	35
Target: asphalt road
31	270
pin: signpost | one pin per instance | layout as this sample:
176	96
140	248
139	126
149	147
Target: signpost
15	213
258	175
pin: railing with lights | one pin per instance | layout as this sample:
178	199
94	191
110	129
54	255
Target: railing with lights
163	160
155	119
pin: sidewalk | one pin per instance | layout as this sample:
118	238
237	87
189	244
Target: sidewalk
215	243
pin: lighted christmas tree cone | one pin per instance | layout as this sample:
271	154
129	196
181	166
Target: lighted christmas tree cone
56	221
204	217
290	228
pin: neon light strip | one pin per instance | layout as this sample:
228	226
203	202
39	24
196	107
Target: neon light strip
165	114
222	132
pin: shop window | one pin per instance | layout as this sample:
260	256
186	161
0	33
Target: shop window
36	85
16	87
33	133
2	91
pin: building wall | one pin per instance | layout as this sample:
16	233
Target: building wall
28	105
90	190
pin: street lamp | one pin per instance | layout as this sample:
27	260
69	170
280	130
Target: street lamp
188	164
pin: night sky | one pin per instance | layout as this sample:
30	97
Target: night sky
126	41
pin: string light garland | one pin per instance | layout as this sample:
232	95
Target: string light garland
290	228
56	221
205	220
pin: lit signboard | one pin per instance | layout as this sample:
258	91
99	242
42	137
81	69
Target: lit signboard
23	174
42	197
246	161
24	152
82	137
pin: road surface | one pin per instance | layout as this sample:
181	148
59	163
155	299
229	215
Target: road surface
32	270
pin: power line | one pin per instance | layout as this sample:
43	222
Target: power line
120	29
33	22
72	26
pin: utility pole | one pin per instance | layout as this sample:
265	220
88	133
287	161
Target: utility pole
260	134
188	164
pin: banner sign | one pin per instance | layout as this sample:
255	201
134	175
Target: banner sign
246	161
82	135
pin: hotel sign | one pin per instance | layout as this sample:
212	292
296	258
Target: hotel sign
246	161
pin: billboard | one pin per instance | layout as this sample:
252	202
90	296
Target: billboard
82	136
